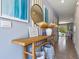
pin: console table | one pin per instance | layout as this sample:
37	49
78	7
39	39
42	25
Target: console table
27	41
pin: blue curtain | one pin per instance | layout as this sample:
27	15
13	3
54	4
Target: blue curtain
16	8
20	9
46	15
24	9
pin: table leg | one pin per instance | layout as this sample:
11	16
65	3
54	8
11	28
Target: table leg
25	55
33	51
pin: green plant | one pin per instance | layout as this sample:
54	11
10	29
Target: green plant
63	30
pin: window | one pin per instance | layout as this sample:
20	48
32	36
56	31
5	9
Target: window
15	9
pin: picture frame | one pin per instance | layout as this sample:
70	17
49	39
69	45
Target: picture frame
15	10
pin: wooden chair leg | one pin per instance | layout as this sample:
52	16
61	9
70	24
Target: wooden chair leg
33	51
25	55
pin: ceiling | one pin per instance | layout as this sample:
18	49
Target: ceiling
66	9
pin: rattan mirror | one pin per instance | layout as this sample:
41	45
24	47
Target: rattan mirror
36	13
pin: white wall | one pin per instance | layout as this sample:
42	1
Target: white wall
76	32
51	14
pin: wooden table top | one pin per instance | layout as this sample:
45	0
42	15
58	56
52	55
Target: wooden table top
27	41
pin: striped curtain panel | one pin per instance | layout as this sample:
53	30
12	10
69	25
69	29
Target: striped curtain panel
24	9
16	8
20	9
46	15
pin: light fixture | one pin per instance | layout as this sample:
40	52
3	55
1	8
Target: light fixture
64	22
77	3
62	1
